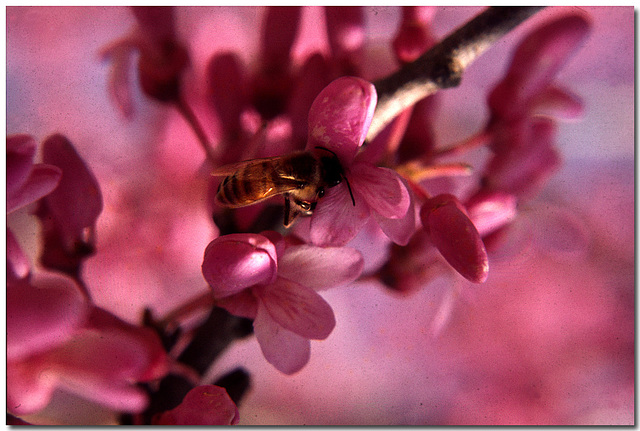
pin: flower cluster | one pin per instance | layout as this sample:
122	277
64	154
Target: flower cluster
393	212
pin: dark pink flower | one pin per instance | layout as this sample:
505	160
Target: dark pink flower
69	214
264	278
338	121
57	340
454	235
203	405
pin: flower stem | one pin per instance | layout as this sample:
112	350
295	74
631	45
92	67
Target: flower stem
190	116
442	66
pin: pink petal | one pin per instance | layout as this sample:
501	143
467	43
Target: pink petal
203	405
491	210
237	261
18	265
561	233
346	31
557	103
42	180
42	315
29	386
120	54
320	267
283	349
21	150
243	304
297	308
455	236
152	362
381	188
335	220
340	117
414	36
77	202
401	229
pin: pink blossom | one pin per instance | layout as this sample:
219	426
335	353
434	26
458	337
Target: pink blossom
338	121
56	339
522	141
68	214
264	278
203	405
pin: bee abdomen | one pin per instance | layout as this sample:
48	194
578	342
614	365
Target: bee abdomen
246	186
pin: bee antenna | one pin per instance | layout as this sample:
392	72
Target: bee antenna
351	193
343	176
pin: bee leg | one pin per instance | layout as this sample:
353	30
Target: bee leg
287	210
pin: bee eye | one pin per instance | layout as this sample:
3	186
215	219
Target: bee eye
320	193
305	206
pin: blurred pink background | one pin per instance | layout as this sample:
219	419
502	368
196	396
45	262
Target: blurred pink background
549	339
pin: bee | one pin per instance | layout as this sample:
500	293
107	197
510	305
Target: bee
302	177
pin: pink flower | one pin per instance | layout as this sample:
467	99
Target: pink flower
338	121
522	136
203	405
56	339
68	214
263	277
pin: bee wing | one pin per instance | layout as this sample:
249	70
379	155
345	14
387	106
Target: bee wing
232	168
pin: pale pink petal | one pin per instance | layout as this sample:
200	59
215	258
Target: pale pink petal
335	220
455	236
491	210
77	201
42	180
399	230
18	265
237	261
557	103
203	405
29	386
283	349
320	267
340	117
297	308
120	54
43	315
381	188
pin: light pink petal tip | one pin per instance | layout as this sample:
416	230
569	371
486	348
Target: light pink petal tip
341	115
287	351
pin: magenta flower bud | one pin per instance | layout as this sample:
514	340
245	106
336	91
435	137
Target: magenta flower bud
203	405
455	236
237	261
413	37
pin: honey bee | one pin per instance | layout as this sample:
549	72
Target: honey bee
302	178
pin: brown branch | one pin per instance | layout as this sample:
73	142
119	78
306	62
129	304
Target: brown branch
442	66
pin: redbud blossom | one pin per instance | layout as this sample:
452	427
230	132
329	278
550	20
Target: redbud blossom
57	340
454	235
338	121
263	278
203	405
